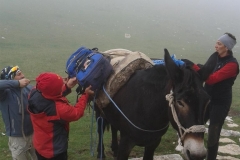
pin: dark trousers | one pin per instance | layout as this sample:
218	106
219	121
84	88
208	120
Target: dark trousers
216	113
62	156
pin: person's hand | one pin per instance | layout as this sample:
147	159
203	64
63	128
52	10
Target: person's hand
65	80
200	65
23	82
188	62
89	91
71	82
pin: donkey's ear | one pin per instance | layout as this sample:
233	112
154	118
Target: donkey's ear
208	67
173	70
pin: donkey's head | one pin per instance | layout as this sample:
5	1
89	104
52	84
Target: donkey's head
188	101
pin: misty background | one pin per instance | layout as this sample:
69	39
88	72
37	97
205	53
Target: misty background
51	30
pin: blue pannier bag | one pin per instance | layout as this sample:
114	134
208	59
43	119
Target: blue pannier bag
76	59
89	67
95	71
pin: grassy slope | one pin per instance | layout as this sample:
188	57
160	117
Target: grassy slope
34	59
79	141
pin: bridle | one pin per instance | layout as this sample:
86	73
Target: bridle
193	129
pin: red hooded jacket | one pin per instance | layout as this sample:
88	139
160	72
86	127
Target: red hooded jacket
51	114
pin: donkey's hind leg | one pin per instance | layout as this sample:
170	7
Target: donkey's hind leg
149	150
114	144
125	147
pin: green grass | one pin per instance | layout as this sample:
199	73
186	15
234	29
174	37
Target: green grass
80	139
34	59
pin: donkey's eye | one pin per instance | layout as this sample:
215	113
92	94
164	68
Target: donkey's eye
180	104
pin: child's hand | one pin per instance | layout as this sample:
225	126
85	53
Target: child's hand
71	82
89	91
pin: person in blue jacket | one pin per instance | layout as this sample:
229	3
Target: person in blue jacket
14	89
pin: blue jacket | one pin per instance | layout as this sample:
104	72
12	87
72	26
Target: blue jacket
10	106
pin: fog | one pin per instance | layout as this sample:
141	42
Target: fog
185	27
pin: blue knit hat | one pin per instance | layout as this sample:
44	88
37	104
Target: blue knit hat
9	72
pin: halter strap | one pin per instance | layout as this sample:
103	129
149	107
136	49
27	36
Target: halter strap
193	129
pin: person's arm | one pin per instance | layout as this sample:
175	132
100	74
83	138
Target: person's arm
227	71
196	67
7	84
66	90
191	64
72	113
68	85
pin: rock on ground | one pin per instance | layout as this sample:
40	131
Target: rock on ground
226	158
226	140
231	149
163	157
232	125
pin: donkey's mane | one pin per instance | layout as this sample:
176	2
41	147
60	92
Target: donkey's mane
189	76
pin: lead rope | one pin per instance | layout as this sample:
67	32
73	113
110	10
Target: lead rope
92	144
145	130
94	139
193	129
22	107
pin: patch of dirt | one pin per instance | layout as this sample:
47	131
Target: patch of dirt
81	151
233	112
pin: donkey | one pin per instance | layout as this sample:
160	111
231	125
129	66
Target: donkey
142	109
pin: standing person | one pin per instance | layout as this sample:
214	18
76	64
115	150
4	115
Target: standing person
14	89
219	87
51	113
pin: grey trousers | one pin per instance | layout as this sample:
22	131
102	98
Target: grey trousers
22	148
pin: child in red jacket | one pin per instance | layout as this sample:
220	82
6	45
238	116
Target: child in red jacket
51	113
